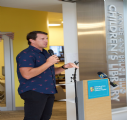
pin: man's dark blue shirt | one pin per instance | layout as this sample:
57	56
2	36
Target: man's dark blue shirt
42	83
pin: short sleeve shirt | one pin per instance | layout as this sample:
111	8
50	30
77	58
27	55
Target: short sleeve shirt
42	83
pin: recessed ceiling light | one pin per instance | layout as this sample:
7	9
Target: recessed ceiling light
54	24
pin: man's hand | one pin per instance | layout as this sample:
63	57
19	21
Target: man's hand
52	60
70	65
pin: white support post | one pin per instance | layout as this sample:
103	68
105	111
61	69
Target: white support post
70	48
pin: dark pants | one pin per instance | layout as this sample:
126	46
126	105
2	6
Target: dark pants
37	106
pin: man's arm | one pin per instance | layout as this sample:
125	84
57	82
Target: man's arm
30	72
69	65
58	70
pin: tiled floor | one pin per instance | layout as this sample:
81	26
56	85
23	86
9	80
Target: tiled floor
59	113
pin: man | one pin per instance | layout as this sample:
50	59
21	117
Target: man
36	73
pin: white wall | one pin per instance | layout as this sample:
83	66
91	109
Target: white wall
70	47
119	114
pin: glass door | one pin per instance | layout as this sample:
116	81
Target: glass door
6	91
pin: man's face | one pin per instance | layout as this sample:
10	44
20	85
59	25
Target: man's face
41	41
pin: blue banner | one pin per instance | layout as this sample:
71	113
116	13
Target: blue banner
98	88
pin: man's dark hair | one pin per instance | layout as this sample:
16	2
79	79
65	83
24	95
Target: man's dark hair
33	35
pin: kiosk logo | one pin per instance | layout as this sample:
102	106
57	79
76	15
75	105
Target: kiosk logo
91	89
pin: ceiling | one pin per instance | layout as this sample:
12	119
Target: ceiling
54	7
41	5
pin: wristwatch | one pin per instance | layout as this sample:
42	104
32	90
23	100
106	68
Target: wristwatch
64	67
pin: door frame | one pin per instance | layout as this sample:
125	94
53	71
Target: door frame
9	73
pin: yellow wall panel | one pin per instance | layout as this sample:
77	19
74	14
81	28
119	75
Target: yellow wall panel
56	37
21	22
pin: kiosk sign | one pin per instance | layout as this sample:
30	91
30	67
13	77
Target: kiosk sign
98	88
